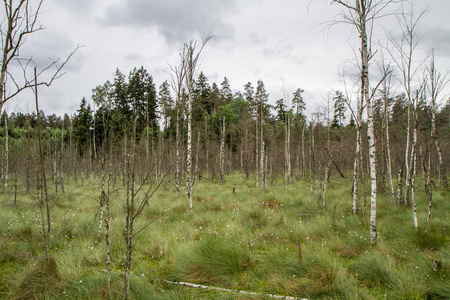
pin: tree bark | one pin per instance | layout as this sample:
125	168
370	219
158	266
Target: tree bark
41	156
188	149
388	151
178	158
407	158
6	166
222	151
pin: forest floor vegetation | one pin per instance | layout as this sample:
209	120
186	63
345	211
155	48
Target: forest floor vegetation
279	241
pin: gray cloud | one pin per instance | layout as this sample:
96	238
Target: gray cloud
438	37
78	7
47	46
175	20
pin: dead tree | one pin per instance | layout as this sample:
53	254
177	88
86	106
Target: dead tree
20	21
190	61
436	84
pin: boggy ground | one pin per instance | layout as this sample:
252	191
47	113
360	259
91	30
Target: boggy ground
247	240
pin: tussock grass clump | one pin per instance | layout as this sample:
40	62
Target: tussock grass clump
212	261
43	281
372	270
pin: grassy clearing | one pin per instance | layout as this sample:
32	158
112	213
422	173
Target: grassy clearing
246	241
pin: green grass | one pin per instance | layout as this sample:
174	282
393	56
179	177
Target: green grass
246	241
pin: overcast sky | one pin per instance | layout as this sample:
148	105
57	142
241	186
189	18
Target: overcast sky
283	42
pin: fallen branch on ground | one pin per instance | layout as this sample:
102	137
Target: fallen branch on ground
199	286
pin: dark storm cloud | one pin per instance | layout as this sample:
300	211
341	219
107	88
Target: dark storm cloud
177	20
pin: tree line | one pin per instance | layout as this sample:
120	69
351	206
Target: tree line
227	129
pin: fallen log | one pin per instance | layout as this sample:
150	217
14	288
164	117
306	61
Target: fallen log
206	287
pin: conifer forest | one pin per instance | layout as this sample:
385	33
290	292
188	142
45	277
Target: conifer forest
192	189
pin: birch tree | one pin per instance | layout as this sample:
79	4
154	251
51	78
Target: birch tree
361	14
385	91
190	61
6	166
436	84
261	98
404	56
178	75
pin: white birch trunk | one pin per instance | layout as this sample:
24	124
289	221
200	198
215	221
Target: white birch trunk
327	170
61	158
439	152
188	150
286	175
356	163
207	147
311	158
428	190
370	124
329	158
289	151
262	169
388	151
177	142
6	166
413	178
407	158
107	219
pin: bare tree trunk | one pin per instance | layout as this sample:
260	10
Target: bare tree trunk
413	182
311	159
437	84
265	168
178	159
189	151
41	155
6	166
246	151
28	157
207	147
428	190
189	57
197	158
329	158
370	125
257	153
325	181
130	212
414	164
388	152
107	201
303	151
261	165
407	158
61	160
287	154
222	151
356	167
241	158
101	203
289	150
399	184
